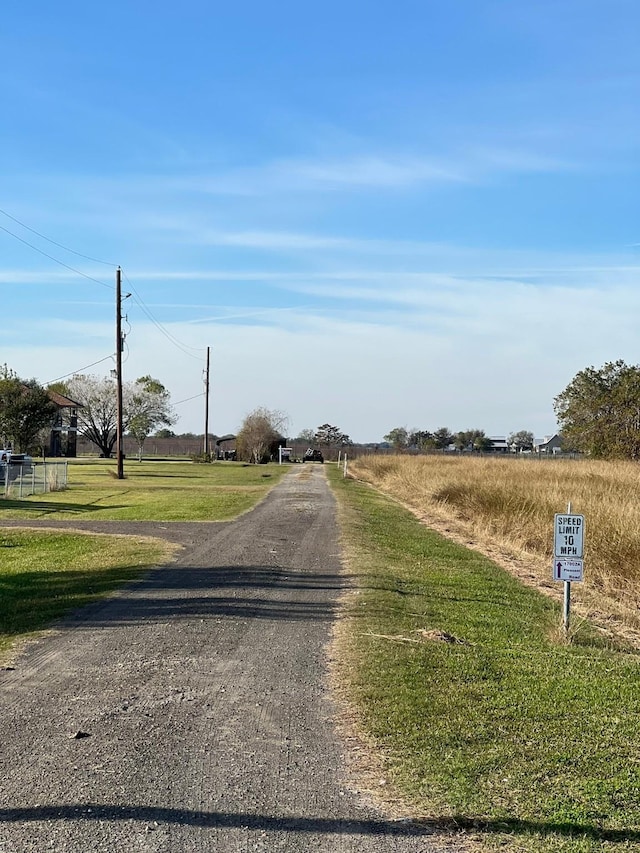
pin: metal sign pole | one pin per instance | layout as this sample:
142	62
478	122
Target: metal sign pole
567	594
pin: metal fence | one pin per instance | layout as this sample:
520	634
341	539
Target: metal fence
32	478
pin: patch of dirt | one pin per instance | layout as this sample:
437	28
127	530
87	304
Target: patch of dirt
441	636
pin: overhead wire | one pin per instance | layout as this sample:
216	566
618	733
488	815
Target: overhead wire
73	372
56	260
171	338
188	399
175	341
53	242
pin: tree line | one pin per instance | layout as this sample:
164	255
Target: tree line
402	439
598	414
263	431
27	410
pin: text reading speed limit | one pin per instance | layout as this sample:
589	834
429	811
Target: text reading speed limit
569	535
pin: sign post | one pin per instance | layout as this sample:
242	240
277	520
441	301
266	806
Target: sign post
568	551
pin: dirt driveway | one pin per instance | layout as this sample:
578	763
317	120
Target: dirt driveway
190	711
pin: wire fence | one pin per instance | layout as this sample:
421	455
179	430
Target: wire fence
19	480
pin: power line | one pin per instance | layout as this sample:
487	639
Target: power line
73	372
51	258
177	343
195	397
60	245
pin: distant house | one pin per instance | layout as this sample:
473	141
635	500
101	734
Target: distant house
548	444
63	436
499	444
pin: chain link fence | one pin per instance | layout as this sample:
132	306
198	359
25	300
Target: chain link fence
18	480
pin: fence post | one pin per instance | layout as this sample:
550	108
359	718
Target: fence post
344	473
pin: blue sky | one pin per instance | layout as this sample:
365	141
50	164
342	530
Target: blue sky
415	214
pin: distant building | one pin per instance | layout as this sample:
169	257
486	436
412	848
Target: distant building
63	436
548	444
226	447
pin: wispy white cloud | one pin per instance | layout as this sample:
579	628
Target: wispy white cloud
369	171
482	355
500	159
277	240
376	171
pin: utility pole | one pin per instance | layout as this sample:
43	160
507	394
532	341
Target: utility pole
119	442
206	406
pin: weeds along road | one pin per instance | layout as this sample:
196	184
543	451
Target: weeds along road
190	712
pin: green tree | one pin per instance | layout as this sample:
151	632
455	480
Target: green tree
331	436
442	438
481	442
521	440
148	406
472	439
599	411
25	410
398	437
420	439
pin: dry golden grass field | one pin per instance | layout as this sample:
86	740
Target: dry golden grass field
504	507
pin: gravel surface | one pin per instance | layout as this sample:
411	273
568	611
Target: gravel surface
190	711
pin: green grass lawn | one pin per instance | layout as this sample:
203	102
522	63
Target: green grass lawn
46	574
151	491
504	730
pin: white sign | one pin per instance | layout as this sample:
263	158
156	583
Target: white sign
568	537
567	570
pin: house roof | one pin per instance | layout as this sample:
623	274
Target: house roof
546	439
222	438
63	402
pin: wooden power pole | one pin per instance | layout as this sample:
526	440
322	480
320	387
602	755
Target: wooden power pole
206	405
119	441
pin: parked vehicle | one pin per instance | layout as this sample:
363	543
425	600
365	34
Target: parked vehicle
12	465
313	456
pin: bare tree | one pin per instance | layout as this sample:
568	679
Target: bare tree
145	405
260	431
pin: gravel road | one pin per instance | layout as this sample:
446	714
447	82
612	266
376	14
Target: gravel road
190	711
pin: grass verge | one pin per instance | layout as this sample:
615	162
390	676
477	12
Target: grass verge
151	491
46	574
487	721
510	502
